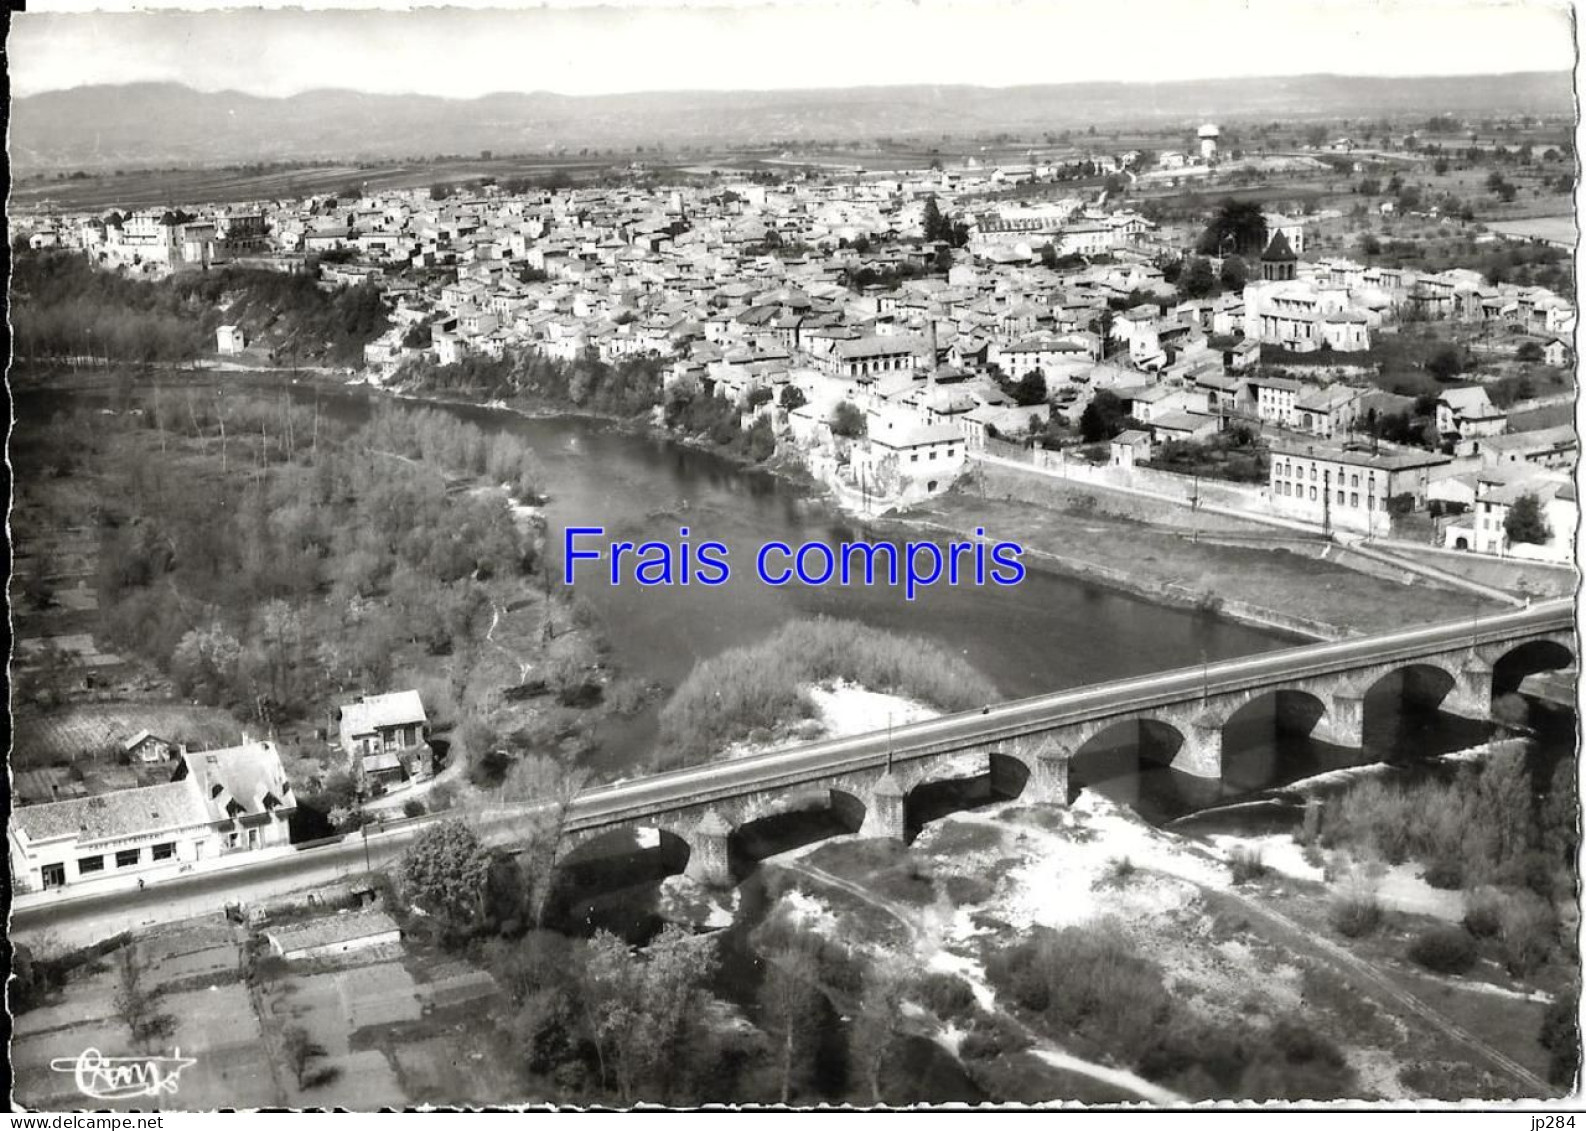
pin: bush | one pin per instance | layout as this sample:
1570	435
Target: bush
1087	980
946	995
763	686
1356	913
1444	950
1246	864
1446	872
1120	870
992	1037
413	807
1560	1035
1525	932
1483	906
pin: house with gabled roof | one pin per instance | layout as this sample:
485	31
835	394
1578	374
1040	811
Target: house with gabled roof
218	802
384	737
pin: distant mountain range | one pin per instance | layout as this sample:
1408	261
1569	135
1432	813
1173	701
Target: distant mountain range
144	125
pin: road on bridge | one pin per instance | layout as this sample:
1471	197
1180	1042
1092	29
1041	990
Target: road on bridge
633	801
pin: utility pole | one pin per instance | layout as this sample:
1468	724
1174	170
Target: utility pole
363	829
1327	502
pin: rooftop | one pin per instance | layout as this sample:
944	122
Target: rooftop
127	813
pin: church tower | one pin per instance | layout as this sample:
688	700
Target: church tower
1278	262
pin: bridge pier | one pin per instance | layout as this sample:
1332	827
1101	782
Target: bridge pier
1049	775
884	817
707	852
1472	694
1202	752
1345	721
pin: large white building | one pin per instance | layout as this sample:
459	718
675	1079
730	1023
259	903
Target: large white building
1348	488
218	802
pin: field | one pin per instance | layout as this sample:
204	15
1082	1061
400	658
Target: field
393	1024
1552	229
193	969
158	188
95	730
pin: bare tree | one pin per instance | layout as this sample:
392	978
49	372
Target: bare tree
876	1025
135	1001
553	784
791	999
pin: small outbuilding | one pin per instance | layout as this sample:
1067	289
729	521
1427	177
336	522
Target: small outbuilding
333	934
230	340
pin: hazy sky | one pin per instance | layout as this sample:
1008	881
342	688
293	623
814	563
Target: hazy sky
476	48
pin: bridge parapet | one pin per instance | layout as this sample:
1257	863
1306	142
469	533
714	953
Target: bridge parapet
1044	733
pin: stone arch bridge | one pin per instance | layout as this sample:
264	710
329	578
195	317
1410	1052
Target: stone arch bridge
1026	745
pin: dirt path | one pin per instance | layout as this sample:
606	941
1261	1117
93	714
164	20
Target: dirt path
495	619
1362	971
1041	1047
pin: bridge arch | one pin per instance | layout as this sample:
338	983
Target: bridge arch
800	817
598	866
1424	684
963	782
1252	729
1528	658
1123	746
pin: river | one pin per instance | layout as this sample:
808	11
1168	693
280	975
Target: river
1048	633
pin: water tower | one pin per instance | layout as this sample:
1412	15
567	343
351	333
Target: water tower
1208	135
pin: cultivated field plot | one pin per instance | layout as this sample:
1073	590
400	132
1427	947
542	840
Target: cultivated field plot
191	972
329	1006
388	1025
78	647
1554	229
97	730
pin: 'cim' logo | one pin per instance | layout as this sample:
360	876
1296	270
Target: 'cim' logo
123	1077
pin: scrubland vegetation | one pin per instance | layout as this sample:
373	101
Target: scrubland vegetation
1486	825
274	562
64	306
1093	989
629	388
749	692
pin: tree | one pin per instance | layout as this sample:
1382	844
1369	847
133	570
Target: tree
791	1000
441	191
848	421
444	872
1445	364
643	1012
935	226
301	1051
1235	274
1560	1036
555	784
1238	226
792	397
1103	417
135	1001
1528	351
1525	521
877	1025
1197	279
1030	389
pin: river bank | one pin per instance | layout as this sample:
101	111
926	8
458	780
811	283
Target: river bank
1255	576
1255	585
